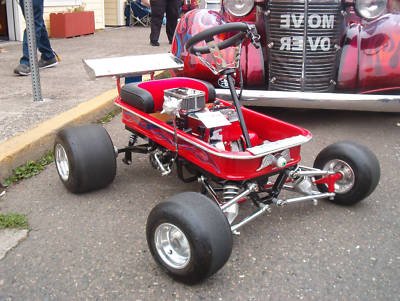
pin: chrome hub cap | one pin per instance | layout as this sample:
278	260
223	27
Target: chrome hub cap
61	162
346	183
172	245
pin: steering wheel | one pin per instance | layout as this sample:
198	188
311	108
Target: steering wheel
208	35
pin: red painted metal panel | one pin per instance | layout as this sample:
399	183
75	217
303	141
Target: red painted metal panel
379	61
235	166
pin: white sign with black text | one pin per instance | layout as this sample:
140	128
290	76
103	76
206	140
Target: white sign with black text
314	21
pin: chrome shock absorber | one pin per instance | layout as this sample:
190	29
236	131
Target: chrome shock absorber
229	191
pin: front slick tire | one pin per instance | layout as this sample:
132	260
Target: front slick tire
189	237
85	158
359	167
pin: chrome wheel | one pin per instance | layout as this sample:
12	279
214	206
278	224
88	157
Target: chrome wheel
62	163
346	183
172	245
358	167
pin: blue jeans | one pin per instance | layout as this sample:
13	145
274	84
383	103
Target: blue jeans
42	38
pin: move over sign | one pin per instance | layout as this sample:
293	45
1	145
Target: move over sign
296	43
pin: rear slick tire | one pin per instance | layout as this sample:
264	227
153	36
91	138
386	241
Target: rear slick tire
85	158
359	167
189	237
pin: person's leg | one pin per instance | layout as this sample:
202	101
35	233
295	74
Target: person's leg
172	13
25	54
23	67
157	14
42	38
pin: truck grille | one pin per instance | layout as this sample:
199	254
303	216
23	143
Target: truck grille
302	39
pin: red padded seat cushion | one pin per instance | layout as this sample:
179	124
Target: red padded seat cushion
149	96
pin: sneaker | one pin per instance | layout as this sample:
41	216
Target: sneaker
47	64
22	69
154	43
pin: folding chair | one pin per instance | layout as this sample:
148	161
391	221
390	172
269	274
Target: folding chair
140	14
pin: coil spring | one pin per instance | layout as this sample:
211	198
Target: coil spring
229	192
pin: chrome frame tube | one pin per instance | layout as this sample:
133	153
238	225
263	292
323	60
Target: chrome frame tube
312	173
266	208
209	189
279	202
308	168
164	171
263	209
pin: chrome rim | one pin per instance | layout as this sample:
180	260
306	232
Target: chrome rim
172	245
62	163
346	183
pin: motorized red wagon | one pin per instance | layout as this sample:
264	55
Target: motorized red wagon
237	155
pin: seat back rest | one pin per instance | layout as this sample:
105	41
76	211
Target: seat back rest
156	88
137	97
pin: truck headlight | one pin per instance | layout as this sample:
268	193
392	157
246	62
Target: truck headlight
238	8
370	9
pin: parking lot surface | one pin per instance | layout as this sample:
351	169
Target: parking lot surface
93	246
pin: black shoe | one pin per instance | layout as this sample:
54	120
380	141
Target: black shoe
154	43
22	69
47	64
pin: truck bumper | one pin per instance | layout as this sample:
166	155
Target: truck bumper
308	100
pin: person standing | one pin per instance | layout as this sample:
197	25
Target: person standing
158	8
48	57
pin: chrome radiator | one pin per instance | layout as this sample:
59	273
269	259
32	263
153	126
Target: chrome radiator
303	44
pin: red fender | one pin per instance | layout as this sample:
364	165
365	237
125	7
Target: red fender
370	59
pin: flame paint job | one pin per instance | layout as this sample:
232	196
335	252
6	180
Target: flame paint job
195	21
369	59
379	62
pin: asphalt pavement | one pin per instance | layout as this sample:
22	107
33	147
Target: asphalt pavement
93	246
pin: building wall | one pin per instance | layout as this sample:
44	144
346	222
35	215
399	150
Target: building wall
110	11
114	12
98	7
